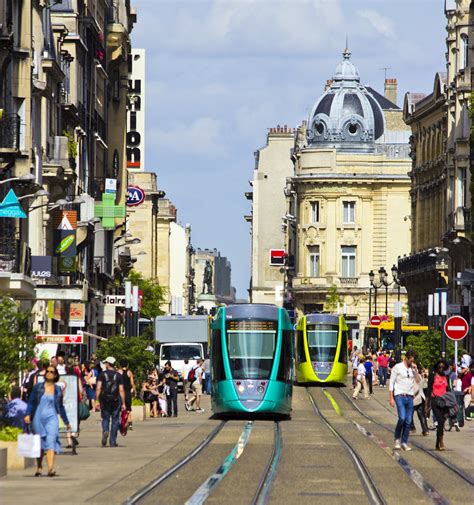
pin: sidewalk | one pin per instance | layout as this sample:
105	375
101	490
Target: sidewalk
95	468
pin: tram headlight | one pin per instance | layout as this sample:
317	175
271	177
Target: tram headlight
260	389
241	388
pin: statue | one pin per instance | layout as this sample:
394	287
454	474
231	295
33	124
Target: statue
207	278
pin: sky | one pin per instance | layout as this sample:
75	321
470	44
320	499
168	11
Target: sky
219	73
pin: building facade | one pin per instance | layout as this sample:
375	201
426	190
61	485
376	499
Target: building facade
268	216
349	195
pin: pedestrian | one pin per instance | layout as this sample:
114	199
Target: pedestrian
15	410
129	389
466	380
172	379
368	364
439	388
375	371
403	377
187	367
355	364
150	393
196	388
361	379
29	380
419	404
90	375
44	406
111	396
61	366
382	361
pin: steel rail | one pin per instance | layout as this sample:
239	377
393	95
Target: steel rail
144	491
458	471
264	486
366	479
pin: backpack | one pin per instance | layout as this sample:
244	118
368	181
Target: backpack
110	393
192	375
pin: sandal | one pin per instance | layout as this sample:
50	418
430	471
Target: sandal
52	473
38	473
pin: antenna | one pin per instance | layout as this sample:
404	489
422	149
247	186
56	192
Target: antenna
385	71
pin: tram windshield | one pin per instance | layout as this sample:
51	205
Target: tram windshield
322	341
251	347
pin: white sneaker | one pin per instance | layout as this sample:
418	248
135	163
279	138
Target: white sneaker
406	447
199	410
397	445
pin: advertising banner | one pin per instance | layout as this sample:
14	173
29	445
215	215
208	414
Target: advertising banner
41	267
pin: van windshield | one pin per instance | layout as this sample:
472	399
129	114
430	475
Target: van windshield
181	352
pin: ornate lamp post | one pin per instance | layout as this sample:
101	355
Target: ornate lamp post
375	286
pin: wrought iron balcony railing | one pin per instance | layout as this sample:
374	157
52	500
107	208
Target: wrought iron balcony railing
15	256
10	131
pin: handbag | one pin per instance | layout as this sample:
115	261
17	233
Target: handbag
123	422
29	445
84	412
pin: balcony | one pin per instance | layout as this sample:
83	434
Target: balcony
58	168
15	265
9	133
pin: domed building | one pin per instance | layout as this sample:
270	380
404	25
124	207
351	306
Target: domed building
348	201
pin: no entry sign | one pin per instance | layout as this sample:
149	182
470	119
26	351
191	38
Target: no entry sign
456	328
375	320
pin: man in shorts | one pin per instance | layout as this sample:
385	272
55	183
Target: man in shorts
196	388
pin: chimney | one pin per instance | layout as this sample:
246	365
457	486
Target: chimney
390	90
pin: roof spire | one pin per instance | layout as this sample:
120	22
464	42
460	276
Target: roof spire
346	53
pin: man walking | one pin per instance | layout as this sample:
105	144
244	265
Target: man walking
111	396
382	361
187	367
172	378
196	388
402	391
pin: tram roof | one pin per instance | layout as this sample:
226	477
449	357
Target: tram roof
252	310
322	318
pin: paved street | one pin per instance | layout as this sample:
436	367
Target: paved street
313	463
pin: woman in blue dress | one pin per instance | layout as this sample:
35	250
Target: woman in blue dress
44	405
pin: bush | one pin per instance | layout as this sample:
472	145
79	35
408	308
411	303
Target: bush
9	433
428	347
136	402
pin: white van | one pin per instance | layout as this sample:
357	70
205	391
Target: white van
177	353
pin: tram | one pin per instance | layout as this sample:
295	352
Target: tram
251	360
321	349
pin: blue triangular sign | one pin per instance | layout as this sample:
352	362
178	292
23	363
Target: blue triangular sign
10	207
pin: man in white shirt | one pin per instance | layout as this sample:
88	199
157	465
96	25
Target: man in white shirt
197	388
402	391
185	372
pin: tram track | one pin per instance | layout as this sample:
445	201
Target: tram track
447	464
373	494
210	483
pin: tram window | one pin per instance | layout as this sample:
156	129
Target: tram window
286	361
218	373
343	351
387	339
322	341
300	346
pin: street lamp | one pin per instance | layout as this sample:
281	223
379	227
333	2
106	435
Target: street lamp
396	279
375	286
24	178
41	192
62	202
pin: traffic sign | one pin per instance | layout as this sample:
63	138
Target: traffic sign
375	320
456	328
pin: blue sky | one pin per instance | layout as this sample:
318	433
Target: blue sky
220	72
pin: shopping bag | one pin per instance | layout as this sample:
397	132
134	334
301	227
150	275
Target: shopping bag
29	445
84	412
124	422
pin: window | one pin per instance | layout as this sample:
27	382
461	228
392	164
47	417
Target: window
343	350
464	52
313	257
348	214
314	217
322	341
462	187
217	364
300	346
286	357
348	255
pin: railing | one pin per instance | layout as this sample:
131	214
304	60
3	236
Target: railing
349	281
15	256
10	131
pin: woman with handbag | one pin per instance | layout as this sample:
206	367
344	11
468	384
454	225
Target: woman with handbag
439	389
44	405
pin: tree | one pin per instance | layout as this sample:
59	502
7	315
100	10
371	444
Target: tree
153	294
428	347
17	342
132	351
333	300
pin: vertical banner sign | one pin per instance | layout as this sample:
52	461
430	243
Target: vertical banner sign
65	224
136	111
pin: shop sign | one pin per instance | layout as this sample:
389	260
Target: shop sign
41	267
117	300
111	186
135	196
67	265
10	207
60	339
77	315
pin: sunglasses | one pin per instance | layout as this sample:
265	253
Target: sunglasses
50	371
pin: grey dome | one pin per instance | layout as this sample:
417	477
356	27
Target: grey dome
346	116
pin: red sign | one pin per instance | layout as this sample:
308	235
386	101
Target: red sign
277	257
375	320
456	328
60	339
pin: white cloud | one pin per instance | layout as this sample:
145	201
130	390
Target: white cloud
381	24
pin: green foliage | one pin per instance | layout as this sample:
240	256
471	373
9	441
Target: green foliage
333	300
130	350
16	342
428	347
153	294
136	402
9	433
44	356
71	145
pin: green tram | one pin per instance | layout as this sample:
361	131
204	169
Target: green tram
321	349
251	360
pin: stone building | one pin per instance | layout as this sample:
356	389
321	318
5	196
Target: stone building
63	130
349	195
268	216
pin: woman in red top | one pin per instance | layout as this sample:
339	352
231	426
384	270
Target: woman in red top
439	388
